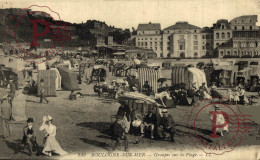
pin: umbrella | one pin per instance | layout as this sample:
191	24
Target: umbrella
137	96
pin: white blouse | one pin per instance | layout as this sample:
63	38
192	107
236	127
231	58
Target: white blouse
50	129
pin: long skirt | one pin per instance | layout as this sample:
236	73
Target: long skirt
51	144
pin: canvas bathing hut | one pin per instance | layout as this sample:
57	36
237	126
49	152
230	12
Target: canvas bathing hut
58	79
188	75
49	77
69	79
151	75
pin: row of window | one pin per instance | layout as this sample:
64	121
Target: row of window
243	21
156	32
146	43
223	35
155	48
247	44
195	31
243	27
242	53
195	37
182	54
148	38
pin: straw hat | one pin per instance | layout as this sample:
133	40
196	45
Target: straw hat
49	118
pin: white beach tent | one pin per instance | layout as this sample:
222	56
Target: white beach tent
199	77
58	79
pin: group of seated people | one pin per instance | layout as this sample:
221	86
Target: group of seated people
179	95
151	124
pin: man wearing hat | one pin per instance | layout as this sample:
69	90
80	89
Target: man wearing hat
121	125
166	124
29	137
148	123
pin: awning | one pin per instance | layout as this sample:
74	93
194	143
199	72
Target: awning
226	67
98	66
119	53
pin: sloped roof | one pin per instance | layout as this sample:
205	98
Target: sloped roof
219	22
149	26
206	30
182	25
245	17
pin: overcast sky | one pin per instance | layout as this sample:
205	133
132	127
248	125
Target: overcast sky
129	13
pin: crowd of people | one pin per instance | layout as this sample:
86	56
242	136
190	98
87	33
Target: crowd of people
155	125
151	125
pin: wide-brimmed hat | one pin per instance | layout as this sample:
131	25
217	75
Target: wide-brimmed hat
49	118
164	111
30	120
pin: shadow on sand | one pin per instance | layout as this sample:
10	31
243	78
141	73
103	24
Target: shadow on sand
96	143
102	127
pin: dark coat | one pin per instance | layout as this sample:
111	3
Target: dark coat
150	119
167	122
26	132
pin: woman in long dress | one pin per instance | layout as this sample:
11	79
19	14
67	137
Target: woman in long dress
50	142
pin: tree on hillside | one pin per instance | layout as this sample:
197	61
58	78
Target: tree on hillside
118	36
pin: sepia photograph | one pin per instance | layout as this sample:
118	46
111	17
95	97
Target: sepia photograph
130	79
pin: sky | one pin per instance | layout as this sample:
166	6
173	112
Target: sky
130	13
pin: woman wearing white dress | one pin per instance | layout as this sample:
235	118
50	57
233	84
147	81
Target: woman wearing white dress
50	143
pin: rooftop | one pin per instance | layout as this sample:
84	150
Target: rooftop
245	17
206	30
221	21
182	25
149	26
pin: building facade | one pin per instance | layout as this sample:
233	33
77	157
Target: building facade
182	40
246	38
222	33
100	41
110	40
239	37
149	37
244	23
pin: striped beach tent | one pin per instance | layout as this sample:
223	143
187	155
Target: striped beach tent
149	74
188	75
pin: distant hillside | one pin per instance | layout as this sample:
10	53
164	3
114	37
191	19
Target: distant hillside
87	32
